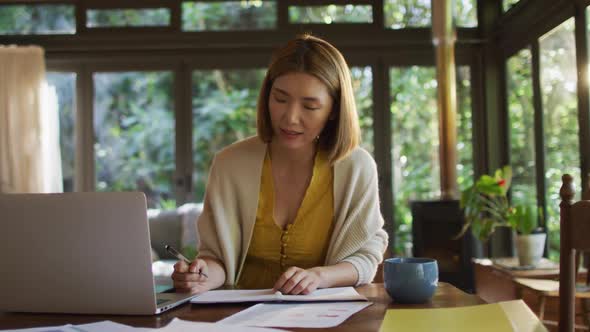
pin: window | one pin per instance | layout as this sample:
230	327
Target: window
37	19
97	18
134	134
414	13
224	111
560	119
134	124
331	14
418	13
65	88
362	85
414	143
464	128
415	140
465	13
521	116
229	15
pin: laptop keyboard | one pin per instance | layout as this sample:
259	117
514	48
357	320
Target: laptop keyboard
160	301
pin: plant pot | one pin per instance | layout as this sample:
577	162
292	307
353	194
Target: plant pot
530	248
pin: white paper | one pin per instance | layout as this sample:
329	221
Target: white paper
92	327
305	315
230	296
175	325
267	295
183	325
110	326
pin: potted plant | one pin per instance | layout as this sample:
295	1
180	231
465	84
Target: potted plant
530	243
486	206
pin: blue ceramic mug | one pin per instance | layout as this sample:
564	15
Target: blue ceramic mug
410	280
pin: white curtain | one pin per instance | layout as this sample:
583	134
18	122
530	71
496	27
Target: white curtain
30	159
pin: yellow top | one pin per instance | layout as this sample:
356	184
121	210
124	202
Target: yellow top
302	243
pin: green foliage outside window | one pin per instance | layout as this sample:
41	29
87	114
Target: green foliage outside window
331	14
464	128
521	116
415	141
225	15
362	84
560	123
401	14
465	13
560	119
134	134
127	17
37	19
406	13
229	15
414	144
224	111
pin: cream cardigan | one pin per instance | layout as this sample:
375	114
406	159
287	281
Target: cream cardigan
231	201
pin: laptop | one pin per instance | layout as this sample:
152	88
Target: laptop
86	253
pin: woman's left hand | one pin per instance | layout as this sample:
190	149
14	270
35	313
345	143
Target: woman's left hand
297	281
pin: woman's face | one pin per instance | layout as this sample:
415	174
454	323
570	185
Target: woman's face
300	106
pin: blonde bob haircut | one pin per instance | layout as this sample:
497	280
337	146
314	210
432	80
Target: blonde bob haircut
314	56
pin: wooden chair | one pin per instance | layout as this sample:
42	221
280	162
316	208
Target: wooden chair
574	239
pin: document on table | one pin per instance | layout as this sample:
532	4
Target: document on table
110	326
495	317
305	315
174	326
267	295
62	328
179	325
92	327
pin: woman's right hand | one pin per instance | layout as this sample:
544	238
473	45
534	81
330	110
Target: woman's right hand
191	279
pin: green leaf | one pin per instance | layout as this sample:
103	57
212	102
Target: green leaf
485	205
523	218
488	185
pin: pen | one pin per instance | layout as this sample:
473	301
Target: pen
181	257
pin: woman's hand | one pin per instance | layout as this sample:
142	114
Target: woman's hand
297	281
191	279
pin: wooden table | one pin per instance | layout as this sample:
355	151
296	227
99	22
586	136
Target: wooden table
369	319
494	283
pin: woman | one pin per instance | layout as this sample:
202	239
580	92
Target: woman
295	208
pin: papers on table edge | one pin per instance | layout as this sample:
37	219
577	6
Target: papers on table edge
106	325
175	325
267	295
296	315
183	325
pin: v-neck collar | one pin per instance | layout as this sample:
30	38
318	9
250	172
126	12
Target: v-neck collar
311	187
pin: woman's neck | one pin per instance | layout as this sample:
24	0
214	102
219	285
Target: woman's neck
292	158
